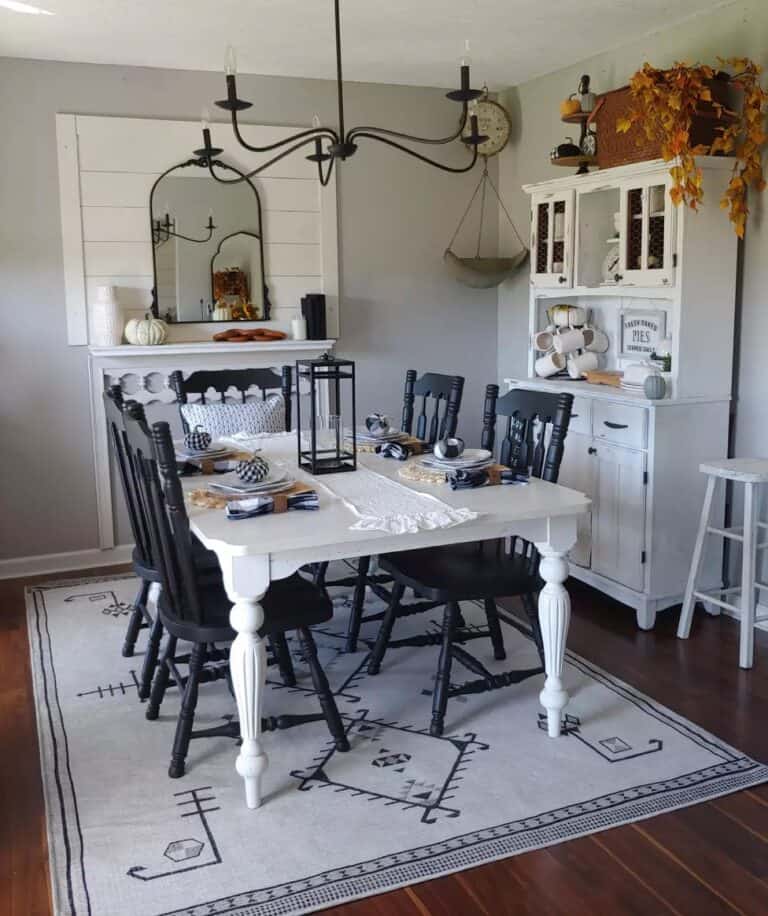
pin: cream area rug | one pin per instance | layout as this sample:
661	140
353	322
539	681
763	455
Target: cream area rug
400	807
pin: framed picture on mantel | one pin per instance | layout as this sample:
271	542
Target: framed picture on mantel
640	332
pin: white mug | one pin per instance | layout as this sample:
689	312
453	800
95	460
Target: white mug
550	364
299	328
599	342
544	340
579	363
571	339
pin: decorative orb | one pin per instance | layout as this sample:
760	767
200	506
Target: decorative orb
198	439
253	470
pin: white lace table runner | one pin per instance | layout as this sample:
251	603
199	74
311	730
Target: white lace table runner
382	504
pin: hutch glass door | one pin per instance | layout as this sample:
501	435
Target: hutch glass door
552	239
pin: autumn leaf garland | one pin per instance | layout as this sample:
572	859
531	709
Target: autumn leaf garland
666	102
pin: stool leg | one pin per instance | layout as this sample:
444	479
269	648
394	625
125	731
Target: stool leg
749	551
686	615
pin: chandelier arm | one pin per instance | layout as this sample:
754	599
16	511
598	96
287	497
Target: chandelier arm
411	152
311	133
265	165
382	131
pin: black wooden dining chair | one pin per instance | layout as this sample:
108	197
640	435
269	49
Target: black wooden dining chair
533	438
439	401
222	380
143	560
197	611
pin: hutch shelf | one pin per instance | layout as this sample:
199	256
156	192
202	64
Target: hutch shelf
637	458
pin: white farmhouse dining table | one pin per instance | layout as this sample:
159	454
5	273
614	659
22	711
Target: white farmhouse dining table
256	551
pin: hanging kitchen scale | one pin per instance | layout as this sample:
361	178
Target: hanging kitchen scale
478	272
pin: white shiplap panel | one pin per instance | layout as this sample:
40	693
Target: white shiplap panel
281	226
116	224
293	260
115	189
147	145
286	292
119	161
107	258
289	194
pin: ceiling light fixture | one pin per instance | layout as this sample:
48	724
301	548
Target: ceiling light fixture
17	6
331	145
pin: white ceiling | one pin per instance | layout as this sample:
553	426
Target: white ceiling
412	42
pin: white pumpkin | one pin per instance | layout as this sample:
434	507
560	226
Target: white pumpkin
146	332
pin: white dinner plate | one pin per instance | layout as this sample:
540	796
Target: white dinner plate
232	483
214	450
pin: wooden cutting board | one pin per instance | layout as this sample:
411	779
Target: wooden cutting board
610	377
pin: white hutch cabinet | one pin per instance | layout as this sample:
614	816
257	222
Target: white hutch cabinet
637	458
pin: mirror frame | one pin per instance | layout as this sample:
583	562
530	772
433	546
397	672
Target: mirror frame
204	163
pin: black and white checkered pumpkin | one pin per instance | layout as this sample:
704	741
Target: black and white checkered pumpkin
253	470
198	439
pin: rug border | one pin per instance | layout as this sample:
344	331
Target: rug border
380	879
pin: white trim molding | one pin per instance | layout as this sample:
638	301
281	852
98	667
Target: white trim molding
44	563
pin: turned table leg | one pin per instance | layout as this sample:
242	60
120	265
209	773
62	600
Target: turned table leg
246	580
554	618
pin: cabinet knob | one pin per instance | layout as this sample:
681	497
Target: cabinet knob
591	450
562	280
618	277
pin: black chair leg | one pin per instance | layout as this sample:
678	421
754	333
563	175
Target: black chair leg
283	657
358	602
150	658
187	715
136	619
385	630
321	570
532	611
443	677
494	628
323	688
160	681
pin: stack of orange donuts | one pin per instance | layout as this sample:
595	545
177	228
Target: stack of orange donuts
245	335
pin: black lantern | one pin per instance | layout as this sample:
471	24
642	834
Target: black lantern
324	447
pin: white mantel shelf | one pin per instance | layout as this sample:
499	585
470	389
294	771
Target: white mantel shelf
194	348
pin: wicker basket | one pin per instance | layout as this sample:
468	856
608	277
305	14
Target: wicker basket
633	146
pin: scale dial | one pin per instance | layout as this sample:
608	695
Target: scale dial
492	122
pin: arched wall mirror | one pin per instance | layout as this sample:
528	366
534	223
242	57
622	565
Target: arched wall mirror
207	247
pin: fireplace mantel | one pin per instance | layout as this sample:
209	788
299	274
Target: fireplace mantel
144	371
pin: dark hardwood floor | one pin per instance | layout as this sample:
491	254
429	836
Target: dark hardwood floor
709	859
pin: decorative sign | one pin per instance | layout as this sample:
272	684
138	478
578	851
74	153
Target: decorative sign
641	332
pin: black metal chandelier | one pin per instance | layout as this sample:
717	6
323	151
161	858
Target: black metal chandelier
331	145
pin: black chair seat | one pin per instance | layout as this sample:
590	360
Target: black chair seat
206	562
462	572
289	604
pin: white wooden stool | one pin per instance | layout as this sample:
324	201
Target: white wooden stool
752	472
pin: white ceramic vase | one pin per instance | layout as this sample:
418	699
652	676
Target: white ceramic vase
106	318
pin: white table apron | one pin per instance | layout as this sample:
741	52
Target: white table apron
542	513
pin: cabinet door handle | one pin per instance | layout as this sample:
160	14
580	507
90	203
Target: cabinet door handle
618	277
561	280
615	425
591	450
574	416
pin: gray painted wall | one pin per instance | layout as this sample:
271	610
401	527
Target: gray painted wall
399	307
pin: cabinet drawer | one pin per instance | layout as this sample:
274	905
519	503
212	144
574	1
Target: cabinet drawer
623	424
581	416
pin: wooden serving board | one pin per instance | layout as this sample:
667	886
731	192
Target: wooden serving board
610	377
417	446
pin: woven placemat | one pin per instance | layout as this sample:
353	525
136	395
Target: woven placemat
414	471
417	446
